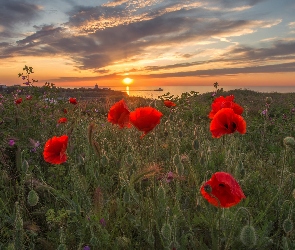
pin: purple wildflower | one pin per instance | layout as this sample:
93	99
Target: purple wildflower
86	248
11	142
102	222
170	177
264	112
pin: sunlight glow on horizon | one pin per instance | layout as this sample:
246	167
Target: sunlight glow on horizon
127	81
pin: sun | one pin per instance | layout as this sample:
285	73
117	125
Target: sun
127	80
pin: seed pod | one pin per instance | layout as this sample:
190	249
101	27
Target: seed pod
248	236
33	198
289	142
25	166
104	161
288	225
166	231
176	159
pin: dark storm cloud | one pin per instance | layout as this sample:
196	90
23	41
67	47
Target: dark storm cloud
13	13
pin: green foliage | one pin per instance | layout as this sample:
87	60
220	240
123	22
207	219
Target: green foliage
114	191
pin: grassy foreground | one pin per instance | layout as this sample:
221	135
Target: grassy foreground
117	191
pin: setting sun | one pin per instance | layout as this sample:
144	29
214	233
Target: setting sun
127	81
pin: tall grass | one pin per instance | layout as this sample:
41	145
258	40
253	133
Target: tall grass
117	191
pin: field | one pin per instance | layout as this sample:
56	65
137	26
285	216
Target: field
118	189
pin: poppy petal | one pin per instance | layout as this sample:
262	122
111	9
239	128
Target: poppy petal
54	150
222	190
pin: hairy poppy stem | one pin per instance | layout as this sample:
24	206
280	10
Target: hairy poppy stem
283	168
227	246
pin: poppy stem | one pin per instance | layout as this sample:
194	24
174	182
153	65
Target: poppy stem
283	168
227	246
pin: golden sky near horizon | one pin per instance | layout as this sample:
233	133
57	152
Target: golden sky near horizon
155	43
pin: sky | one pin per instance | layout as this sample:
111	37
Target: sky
154	42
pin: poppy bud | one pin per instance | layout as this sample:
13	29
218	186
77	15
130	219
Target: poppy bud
289	142
176	159
151	239
104	160
129	159
180	134
288	225
166	231
248	236
268	100
196	144
25	166
33	198
161	194
94	241
126	197
123	242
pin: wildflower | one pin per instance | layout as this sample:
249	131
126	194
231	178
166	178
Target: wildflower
62	120
18	101
226	121
222	190
264	112
225	102
54	150
29	97
102	222
145	119
86	248
119	114
73	100
169	104
65	111
11	142
170	177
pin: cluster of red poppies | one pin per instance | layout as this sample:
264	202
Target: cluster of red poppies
145	119
222	190
226	117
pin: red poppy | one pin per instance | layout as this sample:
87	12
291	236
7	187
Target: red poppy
62	120
54	150
73	100
225	102
18	101
119	114
65	111
169	104
29	97
145	119
222	190
226	121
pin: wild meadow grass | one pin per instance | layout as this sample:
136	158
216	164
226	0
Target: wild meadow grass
119	191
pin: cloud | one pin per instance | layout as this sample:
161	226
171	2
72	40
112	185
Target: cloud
13	13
